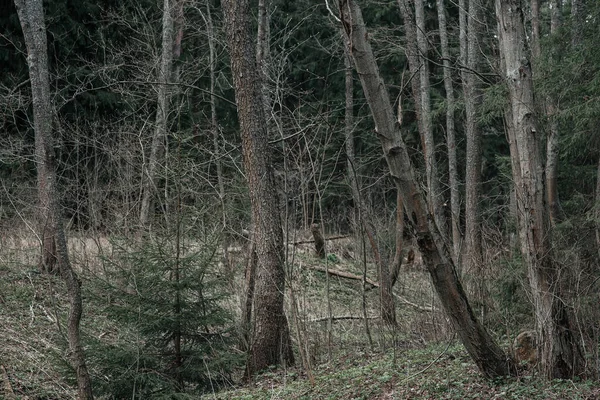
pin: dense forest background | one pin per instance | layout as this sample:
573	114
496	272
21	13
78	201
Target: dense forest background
161	206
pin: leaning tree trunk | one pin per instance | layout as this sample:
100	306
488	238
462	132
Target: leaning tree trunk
472	96
386	273
450	134
162	113
488	356
560	355
31	16
271	343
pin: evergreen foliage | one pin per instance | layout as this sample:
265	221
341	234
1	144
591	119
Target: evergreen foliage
156	294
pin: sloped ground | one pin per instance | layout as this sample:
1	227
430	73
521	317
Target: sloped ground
427	362
32	345
438	371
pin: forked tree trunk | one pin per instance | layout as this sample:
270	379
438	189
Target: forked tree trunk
560	354
270	344
31	16
488	356
472	97
162	113
450	135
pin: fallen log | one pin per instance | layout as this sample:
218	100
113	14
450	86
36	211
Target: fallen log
348	275
340	318
343	274
296	243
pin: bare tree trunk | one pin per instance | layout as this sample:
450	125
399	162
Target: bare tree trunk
349	127
536	49
488	356
271	344
385	272
319	241
415	31
214	126
598	207
560	354
577	12
248	296
552	140
472	95
31	16
162	113
399	253
450	135
549	108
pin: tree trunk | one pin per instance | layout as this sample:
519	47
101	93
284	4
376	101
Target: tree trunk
450	135
214	126
553	137
418	63
271	343
385	272
488	356
162	113
549	108
319	241
598	207
560	355
31	16
577	12
472	96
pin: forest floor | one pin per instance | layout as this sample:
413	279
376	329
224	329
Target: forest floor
434	371
421	359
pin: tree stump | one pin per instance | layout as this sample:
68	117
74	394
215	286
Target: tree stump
319	240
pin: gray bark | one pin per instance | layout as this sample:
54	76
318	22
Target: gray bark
598	207
162	113
31	16
552	141
577	13
435	197
472	96
560	355
450	134
488	356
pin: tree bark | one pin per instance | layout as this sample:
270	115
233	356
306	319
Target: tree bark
319	240
560	355
577	12
488	356
597	213
385	272
418	63
31	16
549	108
552	141
162	112
472	96
271	343
450	135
